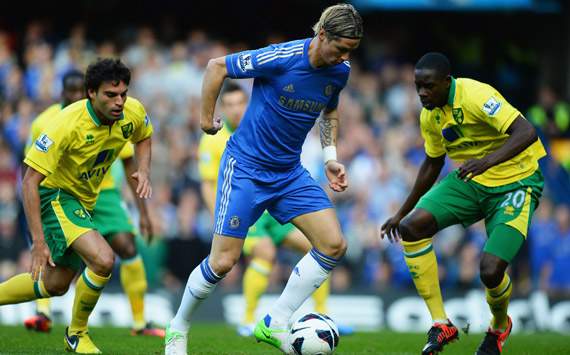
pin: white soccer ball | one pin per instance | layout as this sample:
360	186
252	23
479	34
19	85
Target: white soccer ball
314	334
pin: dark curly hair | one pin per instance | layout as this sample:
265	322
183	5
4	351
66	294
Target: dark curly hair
107	69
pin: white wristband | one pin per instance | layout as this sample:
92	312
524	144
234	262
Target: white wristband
329	153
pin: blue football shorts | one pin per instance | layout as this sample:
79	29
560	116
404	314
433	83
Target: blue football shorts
245	192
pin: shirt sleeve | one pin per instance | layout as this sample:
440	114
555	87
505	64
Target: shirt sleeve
127	152
209	158
260	62
143	126
492	108
46	151
433	145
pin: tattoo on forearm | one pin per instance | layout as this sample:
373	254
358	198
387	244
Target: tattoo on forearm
328	128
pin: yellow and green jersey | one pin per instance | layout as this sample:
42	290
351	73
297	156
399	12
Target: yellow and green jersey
114	178
210	151
75	150
42	121
472	125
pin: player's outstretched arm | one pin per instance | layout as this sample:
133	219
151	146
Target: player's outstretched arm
214	76
335	171
428	173
142	175
522	135
145	222
40	251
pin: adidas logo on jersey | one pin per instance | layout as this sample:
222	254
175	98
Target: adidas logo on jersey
289	88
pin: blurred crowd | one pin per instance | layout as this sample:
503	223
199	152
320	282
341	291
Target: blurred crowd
379	143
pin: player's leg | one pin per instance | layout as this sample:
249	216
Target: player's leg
295	240
260	248
99	260
235	213
300	200
449	202
509	212
54	281
133	280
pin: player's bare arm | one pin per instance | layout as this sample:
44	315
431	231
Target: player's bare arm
40	251
336	173
145	224
214	76
142	175
427	175
521	135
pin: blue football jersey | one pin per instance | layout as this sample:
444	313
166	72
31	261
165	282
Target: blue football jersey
288	96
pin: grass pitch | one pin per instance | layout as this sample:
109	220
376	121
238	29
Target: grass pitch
221	339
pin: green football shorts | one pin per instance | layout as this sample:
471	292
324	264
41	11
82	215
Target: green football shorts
507	210
266	226
110	214
64	220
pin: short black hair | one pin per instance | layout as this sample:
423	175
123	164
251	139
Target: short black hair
69	75
436	61
231	86
107	69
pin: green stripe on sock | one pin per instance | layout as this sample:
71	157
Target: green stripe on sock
89	283
37	290
421	252
504	291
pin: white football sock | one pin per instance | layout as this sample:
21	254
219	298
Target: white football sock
201	282
308	275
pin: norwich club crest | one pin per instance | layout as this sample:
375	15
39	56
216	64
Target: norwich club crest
457	115
89	139
127	130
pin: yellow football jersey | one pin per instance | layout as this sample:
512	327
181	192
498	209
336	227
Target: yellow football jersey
210	151
75	151
41	122
472	125
110	181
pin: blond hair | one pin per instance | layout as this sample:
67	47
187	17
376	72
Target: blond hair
341	20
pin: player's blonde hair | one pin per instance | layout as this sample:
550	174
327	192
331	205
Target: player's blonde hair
340	20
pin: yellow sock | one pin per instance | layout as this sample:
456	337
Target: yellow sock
498	300
43	306
255	281
133	279
87	291
422	264
321	295
21	288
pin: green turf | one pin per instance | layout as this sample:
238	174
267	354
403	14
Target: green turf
222	339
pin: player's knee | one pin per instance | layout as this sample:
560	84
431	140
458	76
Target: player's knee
127	251
408	230
491	273
103	265
335	248
265	249
57	287
223	264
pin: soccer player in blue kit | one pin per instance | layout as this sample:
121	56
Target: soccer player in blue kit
261	170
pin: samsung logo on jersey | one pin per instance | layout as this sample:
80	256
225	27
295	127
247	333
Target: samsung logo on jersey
87	175
301	105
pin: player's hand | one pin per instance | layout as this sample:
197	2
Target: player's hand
144	189
472	168
145	226
212	127
390	229
40	257
336	174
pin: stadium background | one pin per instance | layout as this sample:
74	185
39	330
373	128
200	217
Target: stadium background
521	47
